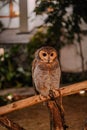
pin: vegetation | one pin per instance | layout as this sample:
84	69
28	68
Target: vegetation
63	18
13	71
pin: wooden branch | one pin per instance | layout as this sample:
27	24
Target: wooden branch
55	114
67	90
10	125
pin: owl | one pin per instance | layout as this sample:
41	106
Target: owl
46	70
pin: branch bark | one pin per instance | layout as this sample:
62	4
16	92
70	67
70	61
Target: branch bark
67	90
56	118
10	125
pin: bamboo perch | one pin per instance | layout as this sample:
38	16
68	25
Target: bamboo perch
67	90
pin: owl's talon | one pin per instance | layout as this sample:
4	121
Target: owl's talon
52	94
41	97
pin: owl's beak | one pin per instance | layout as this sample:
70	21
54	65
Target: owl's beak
49	60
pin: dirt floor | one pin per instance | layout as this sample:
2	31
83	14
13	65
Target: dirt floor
37	117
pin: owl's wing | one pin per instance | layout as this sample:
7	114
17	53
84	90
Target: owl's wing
34	63
33	68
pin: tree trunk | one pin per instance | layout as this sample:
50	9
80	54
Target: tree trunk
56	117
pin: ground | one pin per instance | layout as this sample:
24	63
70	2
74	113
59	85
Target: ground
37	117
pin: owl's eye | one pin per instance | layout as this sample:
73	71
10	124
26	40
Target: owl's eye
44	54
51	54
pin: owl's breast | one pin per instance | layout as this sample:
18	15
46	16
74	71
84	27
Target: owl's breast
44	77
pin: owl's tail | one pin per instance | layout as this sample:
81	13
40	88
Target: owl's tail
57	120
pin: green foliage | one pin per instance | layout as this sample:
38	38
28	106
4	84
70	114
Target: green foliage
12	71
63	18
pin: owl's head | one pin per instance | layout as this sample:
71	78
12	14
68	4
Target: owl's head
46	54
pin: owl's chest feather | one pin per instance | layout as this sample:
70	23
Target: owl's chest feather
47	73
